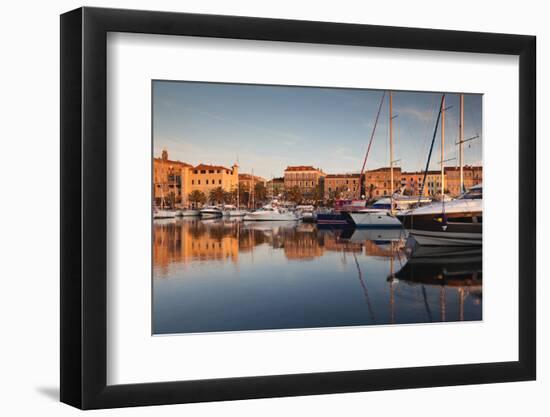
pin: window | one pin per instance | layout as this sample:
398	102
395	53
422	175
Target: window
203	171
192	182
210	171
217	171
195	171
199	181
206	182
220	182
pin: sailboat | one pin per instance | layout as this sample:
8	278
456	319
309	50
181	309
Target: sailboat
374	216
233	211
448	223
162	212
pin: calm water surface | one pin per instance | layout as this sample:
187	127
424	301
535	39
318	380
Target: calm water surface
223	275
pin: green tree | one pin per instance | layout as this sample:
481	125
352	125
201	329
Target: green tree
197	197
217	195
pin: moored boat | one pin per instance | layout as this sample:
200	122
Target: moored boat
189	213
271	213
210	212
164	214
453	223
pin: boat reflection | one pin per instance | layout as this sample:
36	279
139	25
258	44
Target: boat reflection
295	275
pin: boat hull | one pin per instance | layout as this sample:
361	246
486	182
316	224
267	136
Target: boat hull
333	219
269	217
374	219
164	214
211	214
452	229
190	213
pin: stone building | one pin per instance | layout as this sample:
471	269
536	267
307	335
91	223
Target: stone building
307	178
341	186
472	175
378	182
173	181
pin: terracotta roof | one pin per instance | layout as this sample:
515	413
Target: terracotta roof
169	161
302	168
465	167
204	166
383	169
343	176
244	176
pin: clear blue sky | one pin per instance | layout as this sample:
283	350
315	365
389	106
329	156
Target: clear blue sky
270	127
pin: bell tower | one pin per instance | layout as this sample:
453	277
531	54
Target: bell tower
164	155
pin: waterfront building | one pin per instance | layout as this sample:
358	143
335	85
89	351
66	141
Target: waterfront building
205	178
173	181
472	175
341	186
411	183
308	179
378	182
247	181
168	177
275	186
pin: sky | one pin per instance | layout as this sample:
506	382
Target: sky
266	128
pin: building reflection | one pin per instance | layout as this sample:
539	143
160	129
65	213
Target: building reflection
451	269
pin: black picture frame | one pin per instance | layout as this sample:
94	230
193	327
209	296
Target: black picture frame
84	207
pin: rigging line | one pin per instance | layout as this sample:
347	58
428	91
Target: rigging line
371	137
431	148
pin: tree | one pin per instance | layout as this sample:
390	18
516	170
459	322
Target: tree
319	193
294	194
197	197
244	195
260	192
217	195
370	191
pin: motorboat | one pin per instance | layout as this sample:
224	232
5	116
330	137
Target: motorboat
448	223
375	217
271	213
190	213
210	212
307	213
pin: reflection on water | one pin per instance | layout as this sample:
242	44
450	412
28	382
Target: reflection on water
224	275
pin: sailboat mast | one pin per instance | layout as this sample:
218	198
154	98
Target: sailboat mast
443	149
253	186
461	143
391	145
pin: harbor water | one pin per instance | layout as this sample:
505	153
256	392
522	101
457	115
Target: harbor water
229	275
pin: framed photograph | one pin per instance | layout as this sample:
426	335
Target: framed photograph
258	208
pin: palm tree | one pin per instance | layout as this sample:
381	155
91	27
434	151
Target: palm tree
197	197
217	195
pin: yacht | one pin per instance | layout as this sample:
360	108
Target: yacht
448	223
271	213
190	213
374	217
210	212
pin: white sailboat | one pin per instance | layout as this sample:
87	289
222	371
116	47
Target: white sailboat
162	212
375	216
449	223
